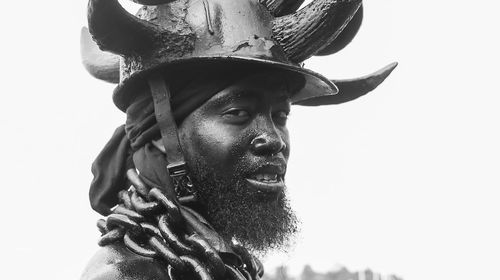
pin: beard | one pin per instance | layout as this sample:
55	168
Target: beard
260	222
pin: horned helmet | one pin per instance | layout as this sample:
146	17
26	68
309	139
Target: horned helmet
167	34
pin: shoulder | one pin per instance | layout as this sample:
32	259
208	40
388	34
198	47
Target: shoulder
117	262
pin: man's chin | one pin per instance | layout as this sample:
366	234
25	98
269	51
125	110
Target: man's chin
259	219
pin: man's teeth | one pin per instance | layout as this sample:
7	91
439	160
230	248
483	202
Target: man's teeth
267	178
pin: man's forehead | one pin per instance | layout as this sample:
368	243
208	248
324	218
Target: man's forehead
252	92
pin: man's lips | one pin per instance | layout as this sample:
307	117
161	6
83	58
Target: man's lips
268	178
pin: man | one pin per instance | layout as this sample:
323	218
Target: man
195	179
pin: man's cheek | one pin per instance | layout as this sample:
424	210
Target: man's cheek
222	140
206	145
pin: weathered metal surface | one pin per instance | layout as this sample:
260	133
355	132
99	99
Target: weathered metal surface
164	252
205	32
134	216
197	268
144	207
233	274
172	209
118	220
171	237
135	247
150	229
111	237
105	66
247	259
211	31
124	197
139	186
208	253
187	254
101	225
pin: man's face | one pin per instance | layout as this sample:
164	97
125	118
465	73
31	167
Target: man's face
237	146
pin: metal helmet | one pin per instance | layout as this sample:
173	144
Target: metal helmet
167	34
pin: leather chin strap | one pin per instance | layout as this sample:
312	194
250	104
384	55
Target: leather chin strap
177	167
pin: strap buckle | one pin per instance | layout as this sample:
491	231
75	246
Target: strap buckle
181	180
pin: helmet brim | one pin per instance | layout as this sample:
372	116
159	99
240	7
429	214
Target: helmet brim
315	85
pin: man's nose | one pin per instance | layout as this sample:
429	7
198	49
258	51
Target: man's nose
268	142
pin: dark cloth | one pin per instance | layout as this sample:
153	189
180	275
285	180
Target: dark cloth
141	124
130	146
151	164
109	163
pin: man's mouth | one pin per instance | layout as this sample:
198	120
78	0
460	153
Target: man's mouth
269	178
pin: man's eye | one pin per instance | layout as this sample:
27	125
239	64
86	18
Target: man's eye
236	114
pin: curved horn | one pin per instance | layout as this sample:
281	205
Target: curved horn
352	88
116	30
345	37
307	31
282	7
102	65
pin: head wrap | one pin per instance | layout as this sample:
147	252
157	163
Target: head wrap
131	147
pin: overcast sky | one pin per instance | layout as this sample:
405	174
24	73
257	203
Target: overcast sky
404	180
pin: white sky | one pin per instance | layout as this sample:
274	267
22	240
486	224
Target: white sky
402	181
